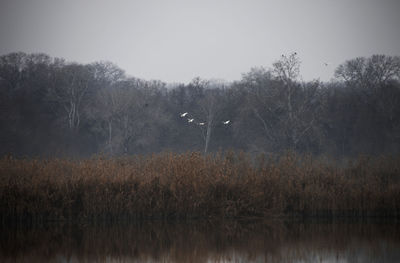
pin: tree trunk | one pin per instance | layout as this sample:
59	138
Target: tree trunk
208	135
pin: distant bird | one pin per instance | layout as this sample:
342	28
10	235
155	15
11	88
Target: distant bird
326	64
201	123
184	114
190	120
295	53
226	122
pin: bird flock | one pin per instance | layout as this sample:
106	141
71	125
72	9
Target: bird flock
191	120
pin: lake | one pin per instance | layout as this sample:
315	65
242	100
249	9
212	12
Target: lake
204	241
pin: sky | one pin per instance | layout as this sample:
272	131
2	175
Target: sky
177	40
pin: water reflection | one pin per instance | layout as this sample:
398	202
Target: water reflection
231	241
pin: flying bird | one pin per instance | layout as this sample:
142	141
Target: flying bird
184	114
326	64
201	123
226	122
190	120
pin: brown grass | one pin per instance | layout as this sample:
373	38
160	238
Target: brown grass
195	186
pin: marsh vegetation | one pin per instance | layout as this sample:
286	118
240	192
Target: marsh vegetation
193	185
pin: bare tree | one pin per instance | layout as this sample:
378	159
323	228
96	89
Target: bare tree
382	69
284	108
370	72
130	113
69	88
12	68
208	107
301	116
107	102
376	79
261	94
287	70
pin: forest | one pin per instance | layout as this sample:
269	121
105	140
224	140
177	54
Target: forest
88	142
52	107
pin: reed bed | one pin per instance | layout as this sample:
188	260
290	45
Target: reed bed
191	185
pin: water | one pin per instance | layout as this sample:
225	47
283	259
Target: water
203	241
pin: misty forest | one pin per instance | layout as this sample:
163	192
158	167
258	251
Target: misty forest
268	144
97	165
52	107
200	131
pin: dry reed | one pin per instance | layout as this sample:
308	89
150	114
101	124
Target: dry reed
192	185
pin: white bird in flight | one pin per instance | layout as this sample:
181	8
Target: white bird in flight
201	123
184	114
190	120
226	122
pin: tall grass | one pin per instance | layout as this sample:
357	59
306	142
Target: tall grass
192	185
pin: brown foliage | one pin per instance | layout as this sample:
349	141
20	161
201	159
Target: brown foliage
196	186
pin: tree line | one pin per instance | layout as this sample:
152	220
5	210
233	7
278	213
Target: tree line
49	106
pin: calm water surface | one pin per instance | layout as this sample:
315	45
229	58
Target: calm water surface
200	241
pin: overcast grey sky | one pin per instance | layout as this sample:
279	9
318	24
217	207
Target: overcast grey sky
177	40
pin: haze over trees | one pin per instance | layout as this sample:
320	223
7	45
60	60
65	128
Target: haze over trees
52	107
